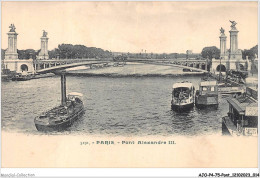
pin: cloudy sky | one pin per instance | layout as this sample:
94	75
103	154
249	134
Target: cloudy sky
130	26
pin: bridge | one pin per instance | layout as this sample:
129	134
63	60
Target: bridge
47	66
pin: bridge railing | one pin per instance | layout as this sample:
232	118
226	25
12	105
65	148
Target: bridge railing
50	65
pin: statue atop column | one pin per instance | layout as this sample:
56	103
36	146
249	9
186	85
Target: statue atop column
222	31
44	34
11	52
12	28
233	25
43	54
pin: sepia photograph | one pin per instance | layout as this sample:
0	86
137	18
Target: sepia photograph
129	85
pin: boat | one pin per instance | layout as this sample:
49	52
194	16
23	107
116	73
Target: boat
242	118
22	77
182	96
7	75
61	117
207	95
5	78
37	76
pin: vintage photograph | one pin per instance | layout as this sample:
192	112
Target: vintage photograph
168	77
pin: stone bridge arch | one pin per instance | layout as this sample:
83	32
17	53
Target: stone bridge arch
221	68
241	66
24	67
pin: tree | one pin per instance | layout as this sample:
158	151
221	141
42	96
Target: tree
27	54
210	52
54	53
250	53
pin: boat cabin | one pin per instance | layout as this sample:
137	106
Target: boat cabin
208	87
182	90
242	117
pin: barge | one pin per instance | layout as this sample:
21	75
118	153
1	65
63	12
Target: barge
242	118
63	116
207	95
20	77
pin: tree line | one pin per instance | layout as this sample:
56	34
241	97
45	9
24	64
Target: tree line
69	51
214	52
162	55
64	51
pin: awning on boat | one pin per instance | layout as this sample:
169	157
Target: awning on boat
208	83
244	108
183	84
237	105
75	94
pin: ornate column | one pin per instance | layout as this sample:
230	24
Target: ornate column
11	52
43	54
233	38
223	40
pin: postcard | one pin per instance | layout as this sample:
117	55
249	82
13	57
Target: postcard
129	85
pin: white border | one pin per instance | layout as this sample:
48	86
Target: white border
126	172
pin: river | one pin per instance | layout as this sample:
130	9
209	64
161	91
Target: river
116	106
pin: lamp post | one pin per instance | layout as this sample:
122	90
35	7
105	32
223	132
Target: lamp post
220	69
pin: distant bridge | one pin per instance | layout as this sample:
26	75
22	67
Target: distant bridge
46	66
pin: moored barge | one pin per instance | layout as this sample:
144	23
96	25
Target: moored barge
207	95
242	118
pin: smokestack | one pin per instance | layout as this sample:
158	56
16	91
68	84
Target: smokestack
63	89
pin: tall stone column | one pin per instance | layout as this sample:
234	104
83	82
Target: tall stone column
44	47
233	41
11	52
223	40
233	38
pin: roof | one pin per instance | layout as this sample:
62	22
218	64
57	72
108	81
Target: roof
236	105
208	83
182	84
244	106
75	94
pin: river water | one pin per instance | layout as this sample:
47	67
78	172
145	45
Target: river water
116	106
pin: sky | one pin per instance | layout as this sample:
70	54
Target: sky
158	27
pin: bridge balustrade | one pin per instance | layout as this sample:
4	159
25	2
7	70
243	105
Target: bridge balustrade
51	65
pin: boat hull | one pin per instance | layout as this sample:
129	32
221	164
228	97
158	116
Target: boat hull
22	78
225	130
202	106
181	108
61	126
203	101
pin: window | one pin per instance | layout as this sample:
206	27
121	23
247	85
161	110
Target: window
204	89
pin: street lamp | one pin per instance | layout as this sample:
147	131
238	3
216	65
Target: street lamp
220	69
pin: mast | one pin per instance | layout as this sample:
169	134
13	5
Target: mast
63	89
